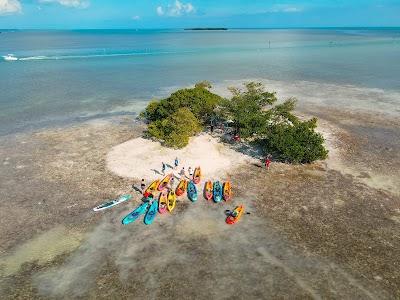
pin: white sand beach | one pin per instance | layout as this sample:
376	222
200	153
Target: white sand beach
141	158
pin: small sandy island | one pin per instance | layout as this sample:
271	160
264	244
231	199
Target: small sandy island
141	158
313	232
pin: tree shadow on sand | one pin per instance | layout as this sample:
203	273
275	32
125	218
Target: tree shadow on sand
249	149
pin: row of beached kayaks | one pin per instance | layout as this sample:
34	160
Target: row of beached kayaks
159	186
167	198
217	191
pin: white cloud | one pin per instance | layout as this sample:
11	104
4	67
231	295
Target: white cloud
69	3
285	8
10	7
176	9
136	18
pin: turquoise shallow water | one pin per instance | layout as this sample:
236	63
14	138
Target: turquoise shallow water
64	76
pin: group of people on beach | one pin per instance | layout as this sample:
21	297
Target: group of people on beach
182	173
164	165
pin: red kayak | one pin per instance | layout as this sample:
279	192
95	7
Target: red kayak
235	215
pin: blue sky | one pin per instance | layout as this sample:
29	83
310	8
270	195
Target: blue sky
61	14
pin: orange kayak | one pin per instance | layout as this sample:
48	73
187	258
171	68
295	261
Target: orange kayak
181	188
227	193
208	190
235	215
197	175
163	184
151	188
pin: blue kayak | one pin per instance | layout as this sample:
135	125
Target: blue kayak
192	191
217	192
140	210
151	213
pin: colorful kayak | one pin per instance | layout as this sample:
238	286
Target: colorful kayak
171	201
235	215
227	194
192	191
181	188
140	210
151	213
151	188
197	175
163	184
112	203
162	202
217	192
208	190
148	198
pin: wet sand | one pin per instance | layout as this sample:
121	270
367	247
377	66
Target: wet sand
317	231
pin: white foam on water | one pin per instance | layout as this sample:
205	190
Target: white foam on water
349	97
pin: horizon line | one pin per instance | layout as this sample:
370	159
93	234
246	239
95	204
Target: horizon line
212	27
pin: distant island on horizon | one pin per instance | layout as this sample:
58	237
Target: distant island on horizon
207	28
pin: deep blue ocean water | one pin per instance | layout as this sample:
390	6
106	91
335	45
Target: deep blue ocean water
62	76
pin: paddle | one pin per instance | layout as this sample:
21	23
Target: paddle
228	212
136	189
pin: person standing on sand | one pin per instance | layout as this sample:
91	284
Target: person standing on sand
182	172
163	168
268	161
143	185
190	172
172	181
176	162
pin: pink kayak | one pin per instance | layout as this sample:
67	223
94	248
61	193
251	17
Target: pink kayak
162	202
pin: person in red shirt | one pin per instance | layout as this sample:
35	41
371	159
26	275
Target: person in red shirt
268	161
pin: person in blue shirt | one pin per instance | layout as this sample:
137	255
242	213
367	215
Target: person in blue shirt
163	168
176	162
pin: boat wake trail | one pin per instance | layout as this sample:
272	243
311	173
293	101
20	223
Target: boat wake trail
89	56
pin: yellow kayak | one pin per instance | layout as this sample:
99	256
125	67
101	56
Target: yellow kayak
163	184
227	193
151	188
197	175
208	190
171	201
